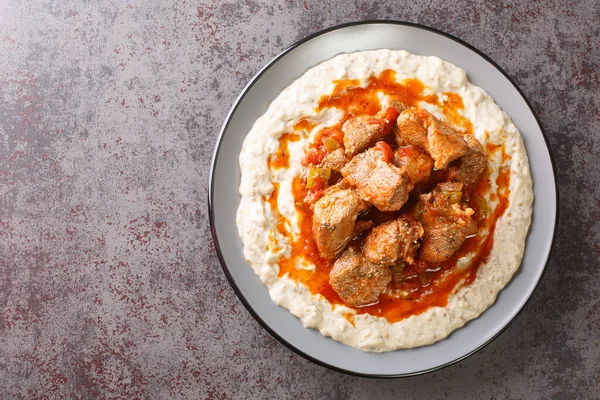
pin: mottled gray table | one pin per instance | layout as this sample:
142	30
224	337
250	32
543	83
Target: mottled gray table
109	282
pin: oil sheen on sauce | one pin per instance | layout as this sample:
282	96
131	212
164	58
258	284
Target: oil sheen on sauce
422	285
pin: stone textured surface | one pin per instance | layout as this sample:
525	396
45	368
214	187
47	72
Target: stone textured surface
109	283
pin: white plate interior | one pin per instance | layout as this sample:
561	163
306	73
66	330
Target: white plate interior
224	198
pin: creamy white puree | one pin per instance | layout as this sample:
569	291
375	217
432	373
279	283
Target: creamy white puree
256	221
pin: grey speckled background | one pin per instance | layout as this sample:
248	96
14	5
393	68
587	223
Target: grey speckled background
109	283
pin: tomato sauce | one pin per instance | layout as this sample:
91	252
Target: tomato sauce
355	100
281	158
306	247
281	224
304	125
451	107
422	285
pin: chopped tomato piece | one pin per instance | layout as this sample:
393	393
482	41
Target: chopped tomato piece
482	205
452	197
391	115
314	156
387	118
334	133
387	150
404	151
317	175
331	144
316	191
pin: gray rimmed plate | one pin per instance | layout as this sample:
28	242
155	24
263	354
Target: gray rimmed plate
224	197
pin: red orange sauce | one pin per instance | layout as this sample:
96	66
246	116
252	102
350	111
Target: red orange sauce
281	158
441	279
304	124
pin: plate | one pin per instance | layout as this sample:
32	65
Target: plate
224	197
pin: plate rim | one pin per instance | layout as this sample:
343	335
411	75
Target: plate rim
211	184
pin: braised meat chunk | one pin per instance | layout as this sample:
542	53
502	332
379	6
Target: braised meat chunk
376	180
341	185
360	133
361	226
413	163
393	240
333	220
469	167
334	160
420	128
356	280
441	240
412	128
446	194
445	144
398	105
445	221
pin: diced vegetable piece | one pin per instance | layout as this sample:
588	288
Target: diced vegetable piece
425	277
418	209
387	118
331	144
386	149
316	191
463	263
405	151
398	267
452	197
315	173
314	156
391	115
334	133
482	205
